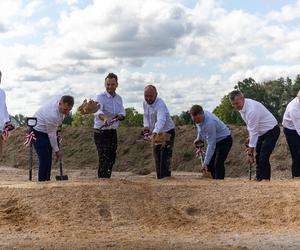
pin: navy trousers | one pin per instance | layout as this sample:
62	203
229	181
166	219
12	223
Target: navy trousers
43	149
107	143
293	140
216	165
163	155
264	148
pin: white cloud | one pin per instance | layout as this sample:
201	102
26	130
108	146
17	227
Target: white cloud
287	13
76	50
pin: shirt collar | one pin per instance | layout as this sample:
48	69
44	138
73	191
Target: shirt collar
243	110
109	95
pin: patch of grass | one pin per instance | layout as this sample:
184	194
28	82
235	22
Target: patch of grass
187	155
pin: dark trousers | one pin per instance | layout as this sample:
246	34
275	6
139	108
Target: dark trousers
106	142
264	148
163	156
43	149
293	140
216	165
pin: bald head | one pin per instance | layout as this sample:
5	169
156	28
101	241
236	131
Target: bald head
150	94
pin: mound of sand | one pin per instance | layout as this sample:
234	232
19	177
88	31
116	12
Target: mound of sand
140	212
135	155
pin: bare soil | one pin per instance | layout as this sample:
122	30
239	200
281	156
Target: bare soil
139	212
135	155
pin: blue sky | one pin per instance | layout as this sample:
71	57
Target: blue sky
193	50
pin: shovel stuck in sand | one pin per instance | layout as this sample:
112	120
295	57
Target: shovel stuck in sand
61	177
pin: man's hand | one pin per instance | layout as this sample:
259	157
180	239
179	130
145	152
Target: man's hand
146	131
250	155
204	169
104	119
58	156
196	141
120	117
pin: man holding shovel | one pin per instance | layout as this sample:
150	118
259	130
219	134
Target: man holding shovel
49	117
159	125
217	135
291	129
263	132
106	123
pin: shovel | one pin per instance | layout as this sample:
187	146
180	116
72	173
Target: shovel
250	171
61	177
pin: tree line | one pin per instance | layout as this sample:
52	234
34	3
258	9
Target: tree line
274	94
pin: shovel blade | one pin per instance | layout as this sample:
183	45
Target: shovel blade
61	177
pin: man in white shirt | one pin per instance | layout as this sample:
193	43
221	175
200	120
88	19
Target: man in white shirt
106	123
291	129
49	117
157	120
263	132
4	116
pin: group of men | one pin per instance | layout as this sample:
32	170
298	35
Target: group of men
261	124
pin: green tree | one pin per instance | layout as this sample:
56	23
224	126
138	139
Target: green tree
132	119
18	120
79	120
274	95
227	113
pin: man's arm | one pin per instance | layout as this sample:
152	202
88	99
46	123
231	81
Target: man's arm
211	138
252	126
161	119
52	127
100	114
145	117
4	117
122	112
295	115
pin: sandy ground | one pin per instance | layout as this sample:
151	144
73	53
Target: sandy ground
140	212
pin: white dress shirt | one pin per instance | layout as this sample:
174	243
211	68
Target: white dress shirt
48	120
291	117
110	106
157	117
4	116
258	119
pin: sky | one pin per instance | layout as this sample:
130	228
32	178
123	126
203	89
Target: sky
194	51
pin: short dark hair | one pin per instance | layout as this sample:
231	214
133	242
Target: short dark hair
152	87
112	76
233	94
196	110
67	99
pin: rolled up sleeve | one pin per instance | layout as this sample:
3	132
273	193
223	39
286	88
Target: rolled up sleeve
252	127
51	131
211	138
161	119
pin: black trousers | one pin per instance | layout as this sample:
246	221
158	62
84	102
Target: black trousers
106	142
163	156
293	140
43	149
216	165
264	148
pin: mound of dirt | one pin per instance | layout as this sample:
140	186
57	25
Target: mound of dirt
135	155
140	212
